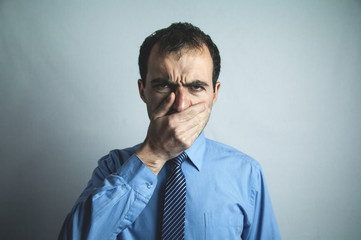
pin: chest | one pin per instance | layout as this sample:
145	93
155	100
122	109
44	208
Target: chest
216	208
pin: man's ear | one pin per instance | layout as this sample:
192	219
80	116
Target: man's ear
141	90
216	89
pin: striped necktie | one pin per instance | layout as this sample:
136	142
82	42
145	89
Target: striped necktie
175	202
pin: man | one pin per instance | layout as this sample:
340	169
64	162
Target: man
176	184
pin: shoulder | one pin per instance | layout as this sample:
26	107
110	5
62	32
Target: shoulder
223	151
232	164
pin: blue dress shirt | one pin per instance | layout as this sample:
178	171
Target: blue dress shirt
227	197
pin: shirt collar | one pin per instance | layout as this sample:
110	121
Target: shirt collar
196	151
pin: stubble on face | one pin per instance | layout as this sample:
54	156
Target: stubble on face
182	69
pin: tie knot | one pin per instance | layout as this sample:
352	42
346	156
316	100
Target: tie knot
178	160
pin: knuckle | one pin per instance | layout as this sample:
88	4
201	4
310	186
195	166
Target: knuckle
177	133
173	132
170	123
187	143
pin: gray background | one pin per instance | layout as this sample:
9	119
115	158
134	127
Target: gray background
290	97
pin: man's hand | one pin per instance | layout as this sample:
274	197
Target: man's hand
169	135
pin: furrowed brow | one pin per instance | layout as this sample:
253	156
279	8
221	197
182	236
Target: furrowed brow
198	83
161	81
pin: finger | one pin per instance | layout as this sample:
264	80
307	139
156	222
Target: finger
192	112
188	136
198	121
164	106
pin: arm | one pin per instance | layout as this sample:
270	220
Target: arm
263	224
112	200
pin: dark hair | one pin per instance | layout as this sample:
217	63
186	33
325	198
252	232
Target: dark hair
173	39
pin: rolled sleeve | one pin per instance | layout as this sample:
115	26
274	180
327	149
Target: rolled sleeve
112	201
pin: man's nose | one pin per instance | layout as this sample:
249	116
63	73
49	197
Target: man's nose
182	100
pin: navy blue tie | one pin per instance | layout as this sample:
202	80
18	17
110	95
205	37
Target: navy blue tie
175	202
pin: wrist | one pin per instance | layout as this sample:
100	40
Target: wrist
152	158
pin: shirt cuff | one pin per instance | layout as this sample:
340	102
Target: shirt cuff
140	178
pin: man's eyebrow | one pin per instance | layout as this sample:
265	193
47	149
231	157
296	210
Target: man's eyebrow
156	81
198	83
161	81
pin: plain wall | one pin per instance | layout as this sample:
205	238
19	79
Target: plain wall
290	98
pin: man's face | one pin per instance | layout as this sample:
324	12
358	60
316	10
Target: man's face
187	73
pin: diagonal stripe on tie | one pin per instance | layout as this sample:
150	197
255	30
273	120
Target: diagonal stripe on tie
175	202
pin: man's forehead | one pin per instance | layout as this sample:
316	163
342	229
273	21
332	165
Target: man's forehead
160	61
188	64
157	50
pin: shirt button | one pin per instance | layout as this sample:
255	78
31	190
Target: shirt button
149	186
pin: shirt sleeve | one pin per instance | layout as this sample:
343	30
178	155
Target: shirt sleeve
263	224
111	202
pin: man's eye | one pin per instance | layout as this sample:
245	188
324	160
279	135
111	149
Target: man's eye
162	87
197	88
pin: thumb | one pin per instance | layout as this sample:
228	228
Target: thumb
164	106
